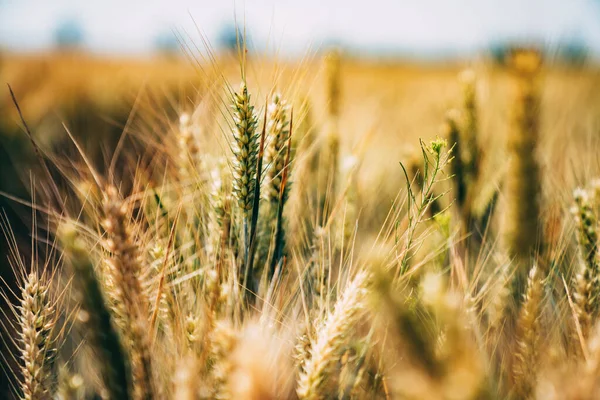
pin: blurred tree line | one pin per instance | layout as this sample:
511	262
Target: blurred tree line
573	52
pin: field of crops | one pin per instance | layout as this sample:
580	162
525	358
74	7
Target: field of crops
240	227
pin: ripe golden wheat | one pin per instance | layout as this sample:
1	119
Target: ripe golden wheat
237	268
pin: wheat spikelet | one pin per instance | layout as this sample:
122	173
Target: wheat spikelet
316	277
125	267
319	370
220	238
498	298
164	307
583	296
189	152
585	293
278	134
587	226
37	350
526	355
220	195
245	150
222	342
303	346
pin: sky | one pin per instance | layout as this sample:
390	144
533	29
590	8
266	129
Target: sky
370	26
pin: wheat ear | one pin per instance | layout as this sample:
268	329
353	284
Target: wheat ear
278	133
585	293
331	339
125	267
245	156
527	350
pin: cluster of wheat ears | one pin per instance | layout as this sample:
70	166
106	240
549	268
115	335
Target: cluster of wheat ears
235	274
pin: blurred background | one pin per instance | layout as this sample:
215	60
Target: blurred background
423	29
85	64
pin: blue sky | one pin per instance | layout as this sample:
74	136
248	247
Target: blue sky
419	26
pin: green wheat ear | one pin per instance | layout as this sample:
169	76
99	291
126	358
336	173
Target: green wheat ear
245	185
245	150
37	320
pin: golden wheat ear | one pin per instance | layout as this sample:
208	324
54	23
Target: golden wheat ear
278	135
34	323
278	132
125	269
320	369
37	322
527	350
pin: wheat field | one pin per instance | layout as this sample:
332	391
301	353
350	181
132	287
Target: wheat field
241	227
